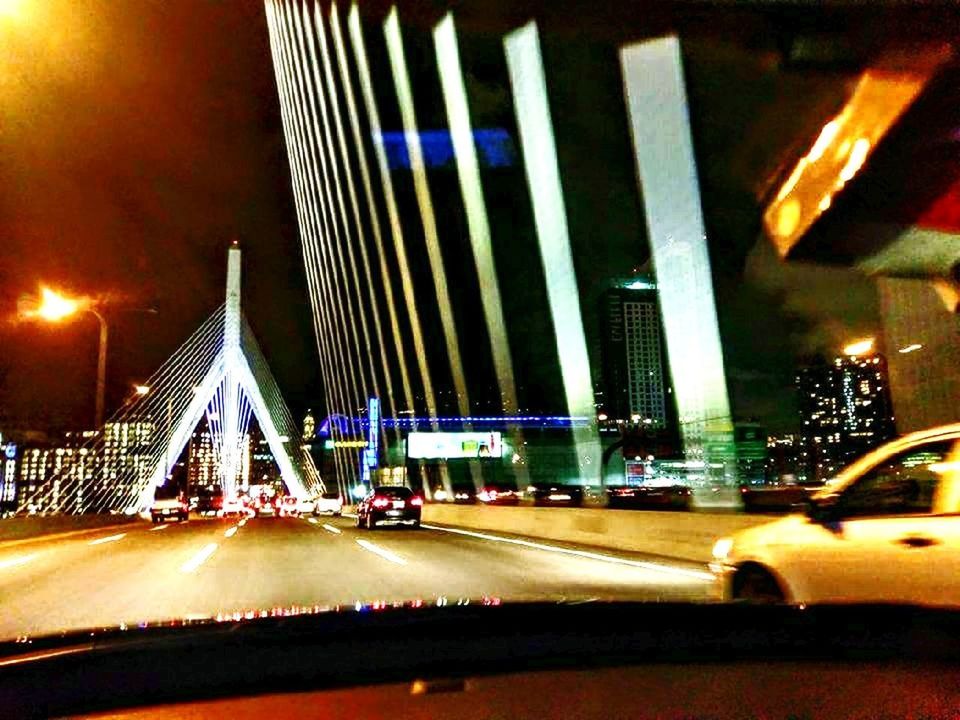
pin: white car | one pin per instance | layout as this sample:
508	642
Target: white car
305	506
329	502
232	507
887	529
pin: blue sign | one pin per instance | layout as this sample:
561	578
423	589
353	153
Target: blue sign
10	451
373	432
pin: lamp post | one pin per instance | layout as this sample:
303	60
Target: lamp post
54	307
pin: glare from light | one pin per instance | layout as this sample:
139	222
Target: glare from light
860	347
12	9
910	348
141	389
722	548
440	495
54	307
359	491
857	157
826	137
532	109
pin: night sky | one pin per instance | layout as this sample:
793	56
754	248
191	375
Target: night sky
137	139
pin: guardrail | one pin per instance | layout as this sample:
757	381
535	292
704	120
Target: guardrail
686	536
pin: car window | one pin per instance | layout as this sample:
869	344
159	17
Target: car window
330	496
396	492
905	484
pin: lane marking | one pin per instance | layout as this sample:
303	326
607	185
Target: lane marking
231	532
382	552
350	515
159	527
331	528
108	538
19	560
695	574
199	559
312	520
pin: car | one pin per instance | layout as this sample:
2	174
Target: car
556	494
886	529
265	507
666	496
209	504
169	509
287	506
773	498
305	506
328	502
232	507
389	505
498	494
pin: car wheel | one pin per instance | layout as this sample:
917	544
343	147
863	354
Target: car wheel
359	521
155	520
754	584
416	525
371	523
337	514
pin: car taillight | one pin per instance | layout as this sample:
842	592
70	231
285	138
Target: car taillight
380	502
418	501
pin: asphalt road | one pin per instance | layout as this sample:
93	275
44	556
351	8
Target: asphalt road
205	567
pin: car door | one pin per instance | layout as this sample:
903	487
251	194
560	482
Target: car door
893	534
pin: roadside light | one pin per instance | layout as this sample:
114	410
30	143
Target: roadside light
861	347
54	307
141	389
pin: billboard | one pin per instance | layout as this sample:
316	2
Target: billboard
450	445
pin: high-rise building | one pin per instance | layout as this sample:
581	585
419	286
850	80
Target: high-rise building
8	475
633	361
845	410
309	426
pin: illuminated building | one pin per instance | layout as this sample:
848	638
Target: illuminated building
309	426
8	475
48	469
845	410
635	386
204	465
127	454
783	458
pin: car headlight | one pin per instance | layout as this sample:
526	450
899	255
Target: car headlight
722	548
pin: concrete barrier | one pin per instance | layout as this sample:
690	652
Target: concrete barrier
31	526
686	536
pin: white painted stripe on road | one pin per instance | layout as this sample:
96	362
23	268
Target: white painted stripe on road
231	532
312	520
352	515
382	552
331	528
199	559
19	560
159	527
667	569
108	538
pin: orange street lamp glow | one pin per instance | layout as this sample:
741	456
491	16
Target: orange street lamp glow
861	347
54	307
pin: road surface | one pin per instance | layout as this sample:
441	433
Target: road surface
205	567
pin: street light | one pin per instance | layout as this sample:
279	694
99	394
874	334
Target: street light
141	389
55	307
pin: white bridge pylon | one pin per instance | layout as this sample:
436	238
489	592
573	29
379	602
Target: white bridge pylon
232	373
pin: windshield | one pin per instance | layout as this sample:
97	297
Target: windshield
589	304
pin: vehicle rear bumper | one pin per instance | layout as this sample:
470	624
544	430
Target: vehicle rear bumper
405	516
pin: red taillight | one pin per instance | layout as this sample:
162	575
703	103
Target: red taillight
380	502
418	501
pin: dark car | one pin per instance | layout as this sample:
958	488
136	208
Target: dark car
556	494
776	498
389	506
671	497
498	494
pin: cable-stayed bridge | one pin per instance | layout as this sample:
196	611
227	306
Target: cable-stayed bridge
219	375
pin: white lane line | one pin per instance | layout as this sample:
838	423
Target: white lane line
312	520
108	538
351	515
382	552
19	560
199	559
331	528
667	569
231	532
159	527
